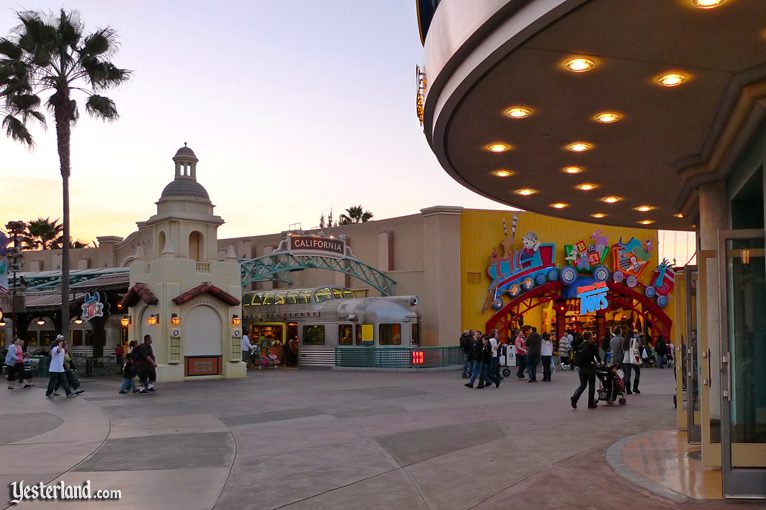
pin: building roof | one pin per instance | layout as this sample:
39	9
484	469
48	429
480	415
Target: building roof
184	187
138	292
208	288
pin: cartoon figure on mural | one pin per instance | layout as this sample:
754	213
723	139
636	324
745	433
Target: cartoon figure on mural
662	283
631	258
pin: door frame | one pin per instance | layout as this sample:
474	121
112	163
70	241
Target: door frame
737	482
693	424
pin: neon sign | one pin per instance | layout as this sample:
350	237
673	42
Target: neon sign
593	298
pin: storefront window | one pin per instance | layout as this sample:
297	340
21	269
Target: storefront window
313	335
416	332
390	334
358	335
267	335
345	334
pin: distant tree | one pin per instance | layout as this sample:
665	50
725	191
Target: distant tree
321	221
47	53
43	234
356	214
329	219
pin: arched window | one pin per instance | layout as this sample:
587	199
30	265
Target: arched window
160	243
196	246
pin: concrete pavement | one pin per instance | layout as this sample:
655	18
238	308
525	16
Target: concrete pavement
312	439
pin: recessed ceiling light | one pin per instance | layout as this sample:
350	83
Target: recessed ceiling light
586	186
573	170
498	147
502	172
607	117
579	146
645	208
679	215
598	215
559	205
579	65
646	222
707	4
611	199
671	79
525	191
518	112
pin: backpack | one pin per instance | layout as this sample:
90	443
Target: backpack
581	355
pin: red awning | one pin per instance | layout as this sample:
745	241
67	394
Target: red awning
138	292
209	289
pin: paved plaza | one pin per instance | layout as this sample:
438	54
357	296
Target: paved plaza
325	439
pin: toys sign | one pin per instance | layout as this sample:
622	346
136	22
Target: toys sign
593	298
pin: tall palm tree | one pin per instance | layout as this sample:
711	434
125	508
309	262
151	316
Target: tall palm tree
356	214
51	54
44	234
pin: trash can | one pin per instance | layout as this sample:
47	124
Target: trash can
42	365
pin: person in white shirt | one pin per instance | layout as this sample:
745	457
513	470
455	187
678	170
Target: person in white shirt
56	369
546	354
247	351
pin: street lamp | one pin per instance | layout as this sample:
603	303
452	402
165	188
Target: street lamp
16	260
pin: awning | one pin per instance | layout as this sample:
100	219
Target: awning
206	288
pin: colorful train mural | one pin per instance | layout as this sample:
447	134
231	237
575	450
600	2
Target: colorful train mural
533	264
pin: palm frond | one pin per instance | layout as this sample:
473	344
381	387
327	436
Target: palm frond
102	74
69	28
101	107
17	131
101	41
10	49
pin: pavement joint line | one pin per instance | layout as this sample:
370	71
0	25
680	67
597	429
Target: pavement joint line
614	459
231	468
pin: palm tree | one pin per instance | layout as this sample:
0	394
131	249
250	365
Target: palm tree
47	53
356	214
43	233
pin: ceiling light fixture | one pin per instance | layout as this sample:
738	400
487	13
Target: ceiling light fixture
525	192
671	79
573	170
518	112
645	208
559	205
586	186
707	4
579	146
498	147
611	199
607	117
598	215
579	65
502	172
646	222
679	215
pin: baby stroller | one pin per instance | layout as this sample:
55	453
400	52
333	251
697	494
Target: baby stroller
269	360
611	387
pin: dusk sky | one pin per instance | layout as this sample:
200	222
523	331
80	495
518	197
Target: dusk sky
293	108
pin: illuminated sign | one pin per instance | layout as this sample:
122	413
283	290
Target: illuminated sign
417	357
593	298
92	306
325	245
420	79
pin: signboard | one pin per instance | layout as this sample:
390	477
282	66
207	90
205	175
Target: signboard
92	307
317	245
420	78
593	298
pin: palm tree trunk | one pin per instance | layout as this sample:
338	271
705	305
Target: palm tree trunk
63	138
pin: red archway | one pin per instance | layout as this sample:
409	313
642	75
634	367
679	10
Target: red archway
621	296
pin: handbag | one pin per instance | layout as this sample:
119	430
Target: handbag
635	357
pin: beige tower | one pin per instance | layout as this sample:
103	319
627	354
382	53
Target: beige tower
180	292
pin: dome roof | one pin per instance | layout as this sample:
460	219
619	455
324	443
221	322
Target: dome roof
184	188
185	152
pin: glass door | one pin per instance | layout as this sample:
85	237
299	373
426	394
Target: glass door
708	355
742	271
690	368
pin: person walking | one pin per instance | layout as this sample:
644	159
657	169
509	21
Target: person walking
487	360
615	346
586	358
564	349
128	374
56	369
247	351
534	344
631	362
521	351
661	350
546	354
143	356
14	364
466	345
494	365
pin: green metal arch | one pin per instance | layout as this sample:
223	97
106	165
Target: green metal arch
280	265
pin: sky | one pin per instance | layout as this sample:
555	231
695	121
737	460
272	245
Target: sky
293	109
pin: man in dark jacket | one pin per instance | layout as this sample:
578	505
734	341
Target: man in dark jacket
585	359
466	345
534	342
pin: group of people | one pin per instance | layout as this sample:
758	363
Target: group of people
533	349
481	354
256	354
139	362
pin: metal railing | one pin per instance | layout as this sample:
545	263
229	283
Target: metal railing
397	357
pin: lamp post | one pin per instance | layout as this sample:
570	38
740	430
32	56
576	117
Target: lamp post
16	259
